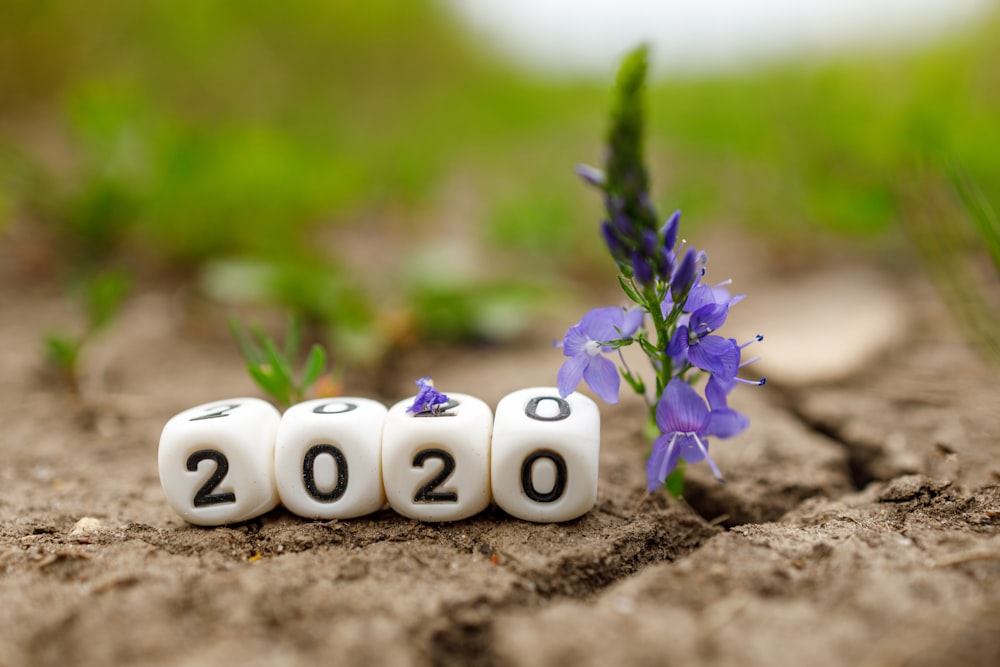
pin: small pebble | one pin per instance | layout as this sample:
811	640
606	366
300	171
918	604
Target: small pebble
85	526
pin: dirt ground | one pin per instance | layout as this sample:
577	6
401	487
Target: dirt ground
860	524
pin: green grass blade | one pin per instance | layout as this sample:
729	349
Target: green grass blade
313	368
983	216
280	367
270	383
293	338
251	353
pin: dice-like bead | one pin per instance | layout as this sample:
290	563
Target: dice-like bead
545	455
216	461
437	467
328	458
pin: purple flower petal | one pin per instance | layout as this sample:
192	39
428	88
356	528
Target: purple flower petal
678	342
602	324
688	449
681	409
575	342
696	450
592	175
699	296
615	245
641	268
631	321
683	276
427	397
662	461
726	423
716	354
570	374
717	391
602	377
708	318
669	231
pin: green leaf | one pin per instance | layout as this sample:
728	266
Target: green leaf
315	364
260	339
633	381
273	385
293	338
105	294
651	350
279	365
675	480
629	290
63	351
251	353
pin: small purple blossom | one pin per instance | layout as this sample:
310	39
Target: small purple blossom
715	354
684	277
703	295
669	231
718	387
584	344
592	175
428	399
685	423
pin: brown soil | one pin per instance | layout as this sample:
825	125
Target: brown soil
860	526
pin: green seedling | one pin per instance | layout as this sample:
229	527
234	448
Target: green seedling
102	297
273	367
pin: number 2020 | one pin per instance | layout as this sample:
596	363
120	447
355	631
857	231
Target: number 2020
232	460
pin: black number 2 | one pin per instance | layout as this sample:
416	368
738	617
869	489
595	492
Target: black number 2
204	495
428	493
216	412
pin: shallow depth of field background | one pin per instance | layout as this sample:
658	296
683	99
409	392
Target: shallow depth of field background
394	174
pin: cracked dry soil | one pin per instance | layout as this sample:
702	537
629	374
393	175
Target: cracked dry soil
860	526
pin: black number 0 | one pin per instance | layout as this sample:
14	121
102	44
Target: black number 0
428	493
204	495
528	485
309	473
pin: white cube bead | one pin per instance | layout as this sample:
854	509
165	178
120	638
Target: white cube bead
545	454
437	468
216	461
328	458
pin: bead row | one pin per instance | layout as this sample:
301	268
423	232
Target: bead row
346	457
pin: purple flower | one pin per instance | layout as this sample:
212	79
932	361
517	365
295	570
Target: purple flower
718	387
642	269
669	231
428	399
685	424
586	341
714	354
684	276
592	175
704	295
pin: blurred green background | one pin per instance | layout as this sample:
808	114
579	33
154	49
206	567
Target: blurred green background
373	168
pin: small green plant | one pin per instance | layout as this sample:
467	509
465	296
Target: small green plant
957	233
273	367
102	296
980	212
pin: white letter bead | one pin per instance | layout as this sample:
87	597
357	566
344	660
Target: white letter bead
437	468
216	461
328	458
545	455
